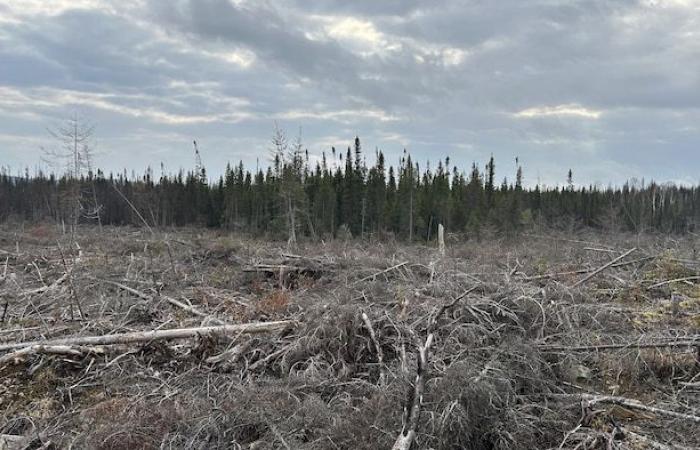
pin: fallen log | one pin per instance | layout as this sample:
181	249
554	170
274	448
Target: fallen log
18	442
685	342
284	268
602	268
377	346
593	399
644	442
170	300
375	275
69	350
273	268
43	289
675	280
156	335
584	271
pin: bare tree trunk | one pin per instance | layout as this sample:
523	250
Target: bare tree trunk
441	239
76	176
362	225
410	219
292	242
148	227
97	207
312	230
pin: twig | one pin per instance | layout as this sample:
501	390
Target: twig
4	272
568	435
170	300
69	271
375	275
380	353
53	285
279	436
231	355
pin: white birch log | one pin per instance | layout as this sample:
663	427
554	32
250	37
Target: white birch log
156	335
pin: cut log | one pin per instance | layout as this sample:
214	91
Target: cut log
156	335
69	350
283	269
593	399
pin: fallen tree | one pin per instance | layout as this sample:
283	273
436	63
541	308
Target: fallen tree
156	335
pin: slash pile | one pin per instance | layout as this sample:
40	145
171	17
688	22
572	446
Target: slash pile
195	339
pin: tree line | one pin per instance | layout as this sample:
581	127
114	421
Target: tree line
341	195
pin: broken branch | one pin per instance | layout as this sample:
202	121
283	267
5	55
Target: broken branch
602	268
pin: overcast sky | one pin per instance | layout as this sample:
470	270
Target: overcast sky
610	88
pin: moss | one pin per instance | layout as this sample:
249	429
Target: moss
695	320
33	396
631	295
541	266
668	268
652	315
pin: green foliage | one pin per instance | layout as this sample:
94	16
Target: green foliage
342	191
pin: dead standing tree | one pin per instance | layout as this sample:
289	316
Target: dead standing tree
73	156
289	169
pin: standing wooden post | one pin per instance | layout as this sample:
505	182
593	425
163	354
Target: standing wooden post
441	239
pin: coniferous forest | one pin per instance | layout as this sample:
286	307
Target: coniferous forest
342	194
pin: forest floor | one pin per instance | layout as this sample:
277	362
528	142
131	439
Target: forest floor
551	341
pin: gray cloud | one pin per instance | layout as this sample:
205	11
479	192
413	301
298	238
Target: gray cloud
610	88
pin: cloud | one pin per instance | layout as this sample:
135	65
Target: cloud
344	116
572	110
355	30
544	80
47	98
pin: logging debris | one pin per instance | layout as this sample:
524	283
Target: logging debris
198	339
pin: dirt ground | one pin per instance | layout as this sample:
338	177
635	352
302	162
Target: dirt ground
552	341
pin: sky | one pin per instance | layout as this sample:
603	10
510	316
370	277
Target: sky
608	88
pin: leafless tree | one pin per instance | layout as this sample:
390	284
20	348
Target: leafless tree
73	157
289	168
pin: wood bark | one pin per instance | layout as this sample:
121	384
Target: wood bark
685	342
413	407
155	335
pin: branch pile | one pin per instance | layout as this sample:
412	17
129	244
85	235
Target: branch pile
133	340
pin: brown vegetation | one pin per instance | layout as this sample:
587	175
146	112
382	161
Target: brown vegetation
543	342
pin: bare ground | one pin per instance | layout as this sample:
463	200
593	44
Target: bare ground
538	342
